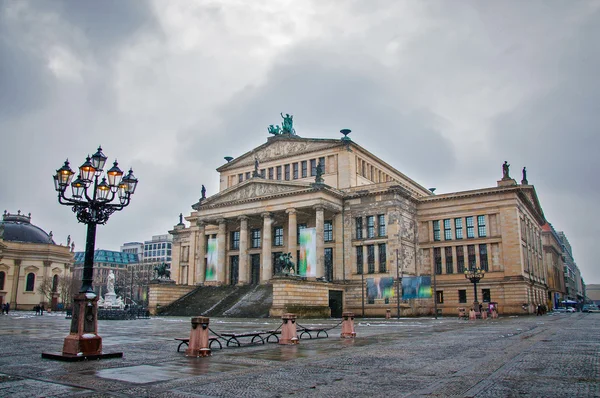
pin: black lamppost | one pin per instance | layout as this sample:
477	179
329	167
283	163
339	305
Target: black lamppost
474	275
92	202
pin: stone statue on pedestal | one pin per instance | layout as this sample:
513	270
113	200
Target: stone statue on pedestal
505	175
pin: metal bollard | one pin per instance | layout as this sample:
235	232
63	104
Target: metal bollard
348	325
198	345
288	329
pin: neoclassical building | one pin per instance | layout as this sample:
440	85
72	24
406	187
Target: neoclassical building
29	257
371	222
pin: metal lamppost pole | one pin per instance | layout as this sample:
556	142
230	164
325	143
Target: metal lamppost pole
398	285
475	275
92	202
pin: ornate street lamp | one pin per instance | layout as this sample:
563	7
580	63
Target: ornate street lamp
474	275
92	202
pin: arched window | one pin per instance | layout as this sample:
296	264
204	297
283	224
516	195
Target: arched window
54	283
30	282
2	277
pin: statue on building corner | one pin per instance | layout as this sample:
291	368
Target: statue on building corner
68	240
203	191
180	218
275	130
319	174
73	247
524	180
505	175
255	173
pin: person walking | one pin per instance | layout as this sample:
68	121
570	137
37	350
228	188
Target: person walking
7	308
42	309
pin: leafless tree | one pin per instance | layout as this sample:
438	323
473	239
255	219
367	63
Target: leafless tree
68	287
45	289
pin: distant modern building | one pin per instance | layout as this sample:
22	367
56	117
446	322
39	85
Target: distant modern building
593	293
571	271
104	262
29	258
134	248
555	266
158	250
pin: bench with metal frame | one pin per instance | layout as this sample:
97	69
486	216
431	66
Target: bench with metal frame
186	341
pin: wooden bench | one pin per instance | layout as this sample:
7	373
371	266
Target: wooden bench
186	341
233	338
308	331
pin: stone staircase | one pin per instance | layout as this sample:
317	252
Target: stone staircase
251	301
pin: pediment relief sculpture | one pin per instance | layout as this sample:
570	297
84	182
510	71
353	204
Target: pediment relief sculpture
253	191
280	149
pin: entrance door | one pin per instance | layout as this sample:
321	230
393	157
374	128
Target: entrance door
336	303
328	263
234	270
254	269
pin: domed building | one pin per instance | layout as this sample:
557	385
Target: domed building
31	261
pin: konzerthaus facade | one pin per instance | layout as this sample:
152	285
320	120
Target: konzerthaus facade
371	221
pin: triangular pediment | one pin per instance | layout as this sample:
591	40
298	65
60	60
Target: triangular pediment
530	195
256	188
280	147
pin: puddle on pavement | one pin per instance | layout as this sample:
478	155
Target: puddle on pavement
290	352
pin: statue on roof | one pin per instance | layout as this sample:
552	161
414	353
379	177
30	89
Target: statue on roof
255	173
203	191
524	180
275	130
319	174
288	124
180	218
68	240
505	175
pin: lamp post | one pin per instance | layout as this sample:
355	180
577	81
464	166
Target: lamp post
475	275
92	202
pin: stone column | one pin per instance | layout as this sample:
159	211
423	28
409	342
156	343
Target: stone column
267	265
15	284
244	274
221	250
292	244
201	253
319	226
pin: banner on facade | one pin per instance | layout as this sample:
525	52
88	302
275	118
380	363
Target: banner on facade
416	287
211	260
380	288
307	264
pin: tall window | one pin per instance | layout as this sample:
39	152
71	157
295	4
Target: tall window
235	240
382	257
462	296
487	297
328	231
240	177
247	175
270	173
437	258
436	230
483	257
359	259
2	279
322	163
470	228
471	253
295	170
481	226
299	228
287	172
439	296
304	169
381	225
262	173
358	223
371	258
449	265
278	233
278	169
30	282
255	236
313	167
55	284
458	232
447	229
370	226
460	259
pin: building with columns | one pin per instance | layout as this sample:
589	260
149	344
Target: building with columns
371	221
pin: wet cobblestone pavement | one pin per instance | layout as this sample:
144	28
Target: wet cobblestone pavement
549	356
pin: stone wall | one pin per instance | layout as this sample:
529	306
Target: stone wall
304	298
162	294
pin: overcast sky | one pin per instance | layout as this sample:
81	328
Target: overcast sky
444	91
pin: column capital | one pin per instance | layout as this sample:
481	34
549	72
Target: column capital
243	218
17	262
221	221
201	223
47	263
266	214
290	211
319	207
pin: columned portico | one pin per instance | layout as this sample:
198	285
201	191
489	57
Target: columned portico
201	253
267	268
319	224
244	275
222	249
292	243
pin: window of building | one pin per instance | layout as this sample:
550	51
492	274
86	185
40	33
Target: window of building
270	173
295	170
278	233
313	167
371	258
30	284
437	259
481	226
487	297
359	259
328	231
439	296
370	226
381	225
304	169
458	232
471	254
359	227
2	279
483	257
436	230
278	169
299	228
287	172
462	296
382	257
460	259
262	173
371	300
240	177
449	265
247	175
470	228
447	229
255	237
322	163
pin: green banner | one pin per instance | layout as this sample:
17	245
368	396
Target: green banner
211	260
307	264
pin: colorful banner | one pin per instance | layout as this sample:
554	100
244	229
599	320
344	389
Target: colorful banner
380	288
416	287
307	266
211	260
